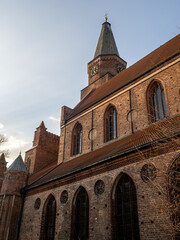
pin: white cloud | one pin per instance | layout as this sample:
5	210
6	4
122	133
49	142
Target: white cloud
54	119
1	125
14	142
14	145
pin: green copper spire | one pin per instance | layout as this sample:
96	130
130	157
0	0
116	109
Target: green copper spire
106	44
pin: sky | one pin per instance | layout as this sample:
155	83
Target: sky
45	46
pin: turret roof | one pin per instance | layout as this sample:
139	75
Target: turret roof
2	158
42	125
18	165
106	43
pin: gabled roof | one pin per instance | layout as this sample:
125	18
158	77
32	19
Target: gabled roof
145	65
152	135
106	43
17	165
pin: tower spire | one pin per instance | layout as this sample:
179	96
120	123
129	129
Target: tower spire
106	43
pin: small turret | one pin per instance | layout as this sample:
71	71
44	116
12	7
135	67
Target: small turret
11	200
42	126
15	177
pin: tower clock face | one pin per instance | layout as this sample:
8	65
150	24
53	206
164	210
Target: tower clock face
94	70
119	68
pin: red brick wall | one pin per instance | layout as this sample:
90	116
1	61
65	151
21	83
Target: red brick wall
10	204
154	216
44	151
169	79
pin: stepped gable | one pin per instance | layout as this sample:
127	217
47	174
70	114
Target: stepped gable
143	66
151	135
18	165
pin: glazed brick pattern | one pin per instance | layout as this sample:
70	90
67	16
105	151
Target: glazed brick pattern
154	222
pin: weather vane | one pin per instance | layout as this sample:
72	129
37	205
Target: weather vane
105	17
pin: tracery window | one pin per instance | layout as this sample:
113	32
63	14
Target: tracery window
157	102
80	222
125	212
77	139
174	195
110	123
48	220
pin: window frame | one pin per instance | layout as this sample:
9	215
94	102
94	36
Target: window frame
48	227
156	101
110	123
76	214
76	146
114	214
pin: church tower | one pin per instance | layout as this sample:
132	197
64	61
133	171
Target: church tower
106	63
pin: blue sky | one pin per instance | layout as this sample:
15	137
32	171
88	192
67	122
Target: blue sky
45	47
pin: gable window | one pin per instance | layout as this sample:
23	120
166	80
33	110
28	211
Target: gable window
110	123
80	223
157	102
125	212
48	220
77	139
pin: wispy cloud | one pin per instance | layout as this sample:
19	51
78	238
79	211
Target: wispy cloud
54	119
1	125
13	143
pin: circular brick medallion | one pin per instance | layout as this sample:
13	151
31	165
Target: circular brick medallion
37	203
92	134
148	172
64	197
132	115
99	187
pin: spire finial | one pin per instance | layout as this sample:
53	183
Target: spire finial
105	17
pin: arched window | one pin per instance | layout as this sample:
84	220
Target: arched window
80	219
48	220
174	195
110	123
157	102
125	212
77	139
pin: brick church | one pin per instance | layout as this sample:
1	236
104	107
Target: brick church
114	171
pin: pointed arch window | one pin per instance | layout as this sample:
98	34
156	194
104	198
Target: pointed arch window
80	222
48	220
77	139
125	212
157	102
110	123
